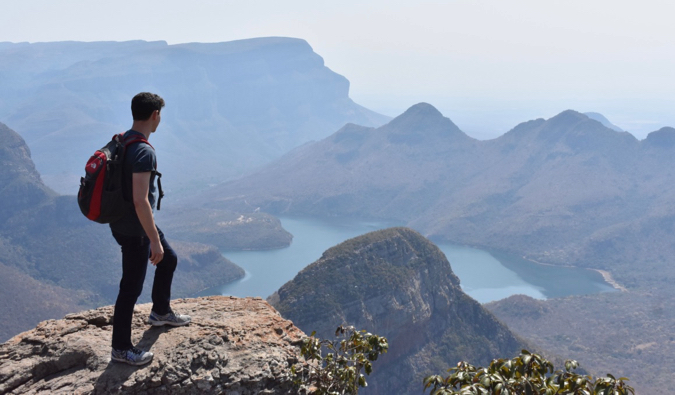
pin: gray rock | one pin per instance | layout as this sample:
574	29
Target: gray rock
232	346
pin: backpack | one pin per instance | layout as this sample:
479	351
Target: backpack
101	197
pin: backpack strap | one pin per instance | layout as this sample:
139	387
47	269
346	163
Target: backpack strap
159	186
136	139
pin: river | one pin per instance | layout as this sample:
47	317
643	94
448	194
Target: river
485	276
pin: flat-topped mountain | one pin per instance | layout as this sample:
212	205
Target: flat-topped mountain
397	284
231	106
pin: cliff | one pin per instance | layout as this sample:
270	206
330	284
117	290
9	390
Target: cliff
20	184
397	284
235	346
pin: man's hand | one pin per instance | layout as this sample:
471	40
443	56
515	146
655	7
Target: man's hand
156	253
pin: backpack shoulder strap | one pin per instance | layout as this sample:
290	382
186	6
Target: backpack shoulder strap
133	140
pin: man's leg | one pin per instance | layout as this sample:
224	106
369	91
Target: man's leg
161	286
161	290
135	255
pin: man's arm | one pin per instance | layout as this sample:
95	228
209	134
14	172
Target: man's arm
141	187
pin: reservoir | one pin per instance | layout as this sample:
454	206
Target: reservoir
485	276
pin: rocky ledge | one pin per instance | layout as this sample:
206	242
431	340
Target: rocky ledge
234	345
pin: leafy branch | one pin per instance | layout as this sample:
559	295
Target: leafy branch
527	374
338	372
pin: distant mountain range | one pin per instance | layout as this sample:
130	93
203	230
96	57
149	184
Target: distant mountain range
231	106
554	189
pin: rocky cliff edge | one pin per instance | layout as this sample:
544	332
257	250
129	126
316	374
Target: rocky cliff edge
234	345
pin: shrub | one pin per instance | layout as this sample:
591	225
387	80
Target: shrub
339	371
526	374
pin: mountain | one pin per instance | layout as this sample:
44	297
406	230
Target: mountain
385	172
603	120
621	333
231	106
233	346
397	284
565	190
20	184
544	188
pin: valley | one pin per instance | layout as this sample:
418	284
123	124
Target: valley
277	137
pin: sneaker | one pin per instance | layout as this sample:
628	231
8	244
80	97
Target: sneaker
171	318
132	356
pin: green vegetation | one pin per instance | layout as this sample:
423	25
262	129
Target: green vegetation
525	374
339	371
334	368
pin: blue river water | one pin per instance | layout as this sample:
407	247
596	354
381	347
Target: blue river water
485	276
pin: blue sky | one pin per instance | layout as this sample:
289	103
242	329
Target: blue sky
485	64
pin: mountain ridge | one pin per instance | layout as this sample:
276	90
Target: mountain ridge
529	184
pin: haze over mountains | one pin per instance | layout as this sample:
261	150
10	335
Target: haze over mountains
549	188
570	190
239	104
566	191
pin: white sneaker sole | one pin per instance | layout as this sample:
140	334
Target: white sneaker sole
139	363
170	323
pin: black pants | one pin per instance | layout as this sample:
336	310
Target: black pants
135	261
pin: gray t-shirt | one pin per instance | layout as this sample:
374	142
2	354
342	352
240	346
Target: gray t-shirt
139	158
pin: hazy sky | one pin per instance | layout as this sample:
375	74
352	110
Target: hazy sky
485	64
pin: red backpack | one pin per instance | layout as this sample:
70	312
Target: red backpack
100	197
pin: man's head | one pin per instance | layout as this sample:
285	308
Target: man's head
144	104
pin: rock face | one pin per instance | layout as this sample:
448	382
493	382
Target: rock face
397	284
234	346
20	184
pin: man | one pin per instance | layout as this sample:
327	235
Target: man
140	238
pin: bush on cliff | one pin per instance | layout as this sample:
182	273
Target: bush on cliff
339	371
525	374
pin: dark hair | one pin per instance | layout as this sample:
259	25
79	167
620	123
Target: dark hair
144	104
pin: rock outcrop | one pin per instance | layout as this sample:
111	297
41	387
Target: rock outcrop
20	184
396	283
234	346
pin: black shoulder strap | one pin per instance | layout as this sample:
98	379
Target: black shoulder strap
159	186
